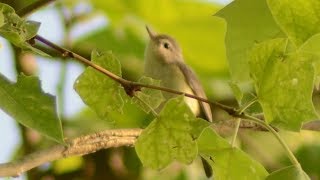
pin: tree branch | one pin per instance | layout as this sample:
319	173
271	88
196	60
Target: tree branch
75	147
129	86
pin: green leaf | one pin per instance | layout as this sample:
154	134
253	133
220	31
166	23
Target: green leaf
299	19
284	84
97	90
171	136
248	21
290	172
151	98
312	45
30	106
312	48
228	163
16	29
236	91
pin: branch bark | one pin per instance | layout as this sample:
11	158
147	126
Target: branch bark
75	147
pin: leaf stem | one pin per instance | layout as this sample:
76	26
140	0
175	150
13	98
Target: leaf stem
241	110
60	87
66	53
234	138
151	109
290	155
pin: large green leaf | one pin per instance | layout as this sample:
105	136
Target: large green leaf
299	19
30	106
284	84
290	172
171	136
97	90
228	163
248	21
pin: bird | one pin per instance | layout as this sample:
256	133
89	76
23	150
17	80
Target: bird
163	60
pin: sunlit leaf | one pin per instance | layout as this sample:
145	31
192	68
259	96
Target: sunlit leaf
312	48
97	90
290	172
248	22
284	84
228	162
150	98
30	106
299	19
171	136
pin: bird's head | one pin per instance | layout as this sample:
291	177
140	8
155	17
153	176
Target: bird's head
163	48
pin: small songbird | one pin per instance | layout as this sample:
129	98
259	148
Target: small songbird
164	61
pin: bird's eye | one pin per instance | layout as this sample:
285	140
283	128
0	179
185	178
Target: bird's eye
166	45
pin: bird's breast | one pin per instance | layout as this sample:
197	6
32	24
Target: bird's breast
172	77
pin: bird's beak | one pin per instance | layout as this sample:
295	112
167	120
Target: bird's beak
151	34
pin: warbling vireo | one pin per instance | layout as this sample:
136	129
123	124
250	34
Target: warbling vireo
164	61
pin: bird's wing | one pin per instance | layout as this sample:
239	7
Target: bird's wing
196	87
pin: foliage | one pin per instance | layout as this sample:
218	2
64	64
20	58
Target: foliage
272	43
282	74
228	162
98	91
171	136
16	29
284	84
30	106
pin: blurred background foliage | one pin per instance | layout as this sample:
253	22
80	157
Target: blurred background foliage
121	28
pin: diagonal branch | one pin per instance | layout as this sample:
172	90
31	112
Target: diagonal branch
129	86
75	147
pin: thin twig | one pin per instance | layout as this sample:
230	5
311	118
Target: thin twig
234	138
60	88
76	147
241	110
290	155
66	53
33	7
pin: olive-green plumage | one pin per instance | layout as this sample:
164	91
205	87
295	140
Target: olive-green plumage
164	61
